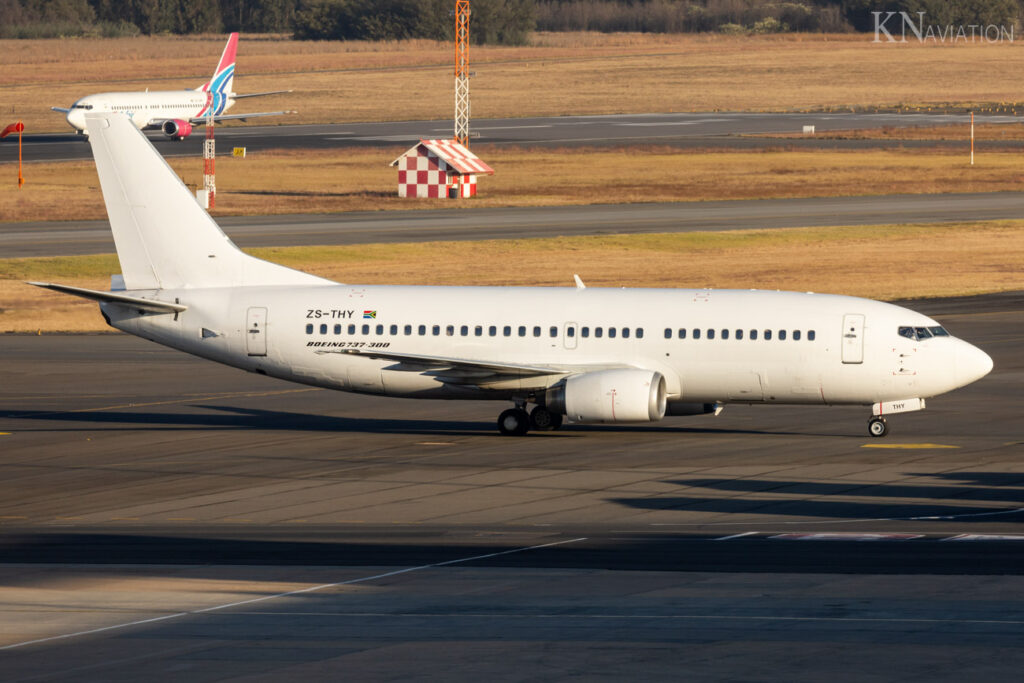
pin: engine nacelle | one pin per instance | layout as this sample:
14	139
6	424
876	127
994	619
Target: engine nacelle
610	396
176	129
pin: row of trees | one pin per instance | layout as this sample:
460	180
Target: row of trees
493	21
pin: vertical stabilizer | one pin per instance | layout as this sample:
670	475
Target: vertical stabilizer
164	239
224	74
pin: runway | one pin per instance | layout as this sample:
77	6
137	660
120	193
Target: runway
92	237
167	517
711	129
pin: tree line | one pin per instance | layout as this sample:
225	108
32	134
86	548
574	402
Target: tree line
493	21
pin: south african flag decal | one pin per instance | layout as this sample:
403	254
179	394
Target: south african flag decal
369	315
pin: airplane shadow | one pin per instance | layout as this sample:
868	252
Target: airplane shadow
234	417
885	501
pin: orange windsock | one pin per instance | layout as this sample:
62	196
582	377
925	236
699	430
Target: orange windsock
13	128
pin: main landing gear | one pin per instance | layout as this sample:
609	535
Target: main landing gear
517	422
877	426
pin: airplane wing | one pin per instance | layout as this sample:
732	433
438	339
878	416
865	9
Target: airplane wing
62	110
148	305
260	94
237	117
466	371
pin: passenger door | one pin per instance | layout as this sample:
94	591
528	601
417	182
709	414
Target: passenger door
256	331
853	338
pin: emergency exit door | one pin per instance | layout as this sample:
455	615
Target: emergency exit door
853	338
256	332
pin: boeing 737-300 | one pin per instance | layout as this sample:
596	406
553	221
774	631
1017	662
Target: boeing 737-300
587	354
174	112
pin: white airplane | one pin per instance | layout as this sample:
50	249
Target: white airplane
592	355
175	112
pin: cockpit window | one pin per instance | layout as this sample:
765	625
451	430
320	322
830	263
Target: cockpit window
919	333
81	106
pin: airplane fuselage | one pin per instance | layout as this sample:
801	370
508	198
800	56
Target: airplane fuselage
711	346
147	109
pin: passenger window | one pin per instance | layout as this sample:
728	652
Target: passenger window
478	331
598	332
450	330
584	331
464	330
380	329
492	331
796	335
611	333
366	329
782	335
570	331
753	335
323	329
408	330
739	334
725	334
696	333
711	334
337	329
639	333
436	330
309	328
681	333
767	335
522	330
625	333
351	329
668	333
507	331
536	330
422	330
394	329
810	335
553	332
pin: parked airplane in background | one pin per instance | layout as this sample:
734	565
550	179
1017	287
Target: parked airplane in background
594	355
174	112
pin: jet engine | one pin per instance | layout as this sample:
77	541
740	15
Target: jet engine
625	395
176	129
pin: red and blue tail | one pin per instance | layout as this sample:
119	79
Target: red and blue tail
223	77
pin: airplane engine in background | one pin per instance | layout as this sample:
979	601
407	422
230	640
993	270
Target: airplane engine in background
176	129
625	395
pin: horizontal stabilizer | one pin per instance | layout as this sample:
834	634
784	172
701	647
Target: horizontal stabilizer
62	110
235	96
148	305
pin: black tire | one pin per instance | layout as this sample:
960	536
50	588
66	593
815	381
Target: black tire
878	427
513	422
544	420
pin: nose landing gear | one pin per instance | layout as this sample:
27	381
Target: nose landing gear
877	426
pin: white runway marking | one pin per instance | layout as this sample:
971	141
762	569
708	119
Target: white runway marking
275	596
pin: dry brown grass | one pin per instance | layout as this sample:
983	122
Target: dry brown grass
360	179
884	262
559	74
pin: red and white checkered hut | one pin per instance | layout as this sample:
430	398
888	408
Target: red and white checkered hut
439	168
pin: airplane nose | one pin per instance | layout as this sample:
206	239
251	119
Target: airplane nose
971	364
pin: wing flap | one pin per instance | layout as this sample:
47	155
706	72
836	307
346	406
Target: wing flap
235	117
148	305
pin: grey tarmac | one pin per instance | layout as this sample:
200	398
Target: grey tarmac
162	516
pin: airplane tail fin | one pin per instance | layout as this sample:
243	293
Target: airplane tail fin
224	74
164	239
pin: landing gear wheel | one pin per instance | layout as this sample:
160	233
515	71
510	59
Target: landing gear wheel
543	420
878	427
513	422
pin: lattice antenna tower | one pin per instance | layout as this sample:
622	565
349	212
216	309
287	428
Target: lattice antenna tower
209	157
462	72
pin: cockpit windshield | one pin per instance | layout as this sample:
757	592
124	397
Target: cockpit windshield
919	333
81	106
